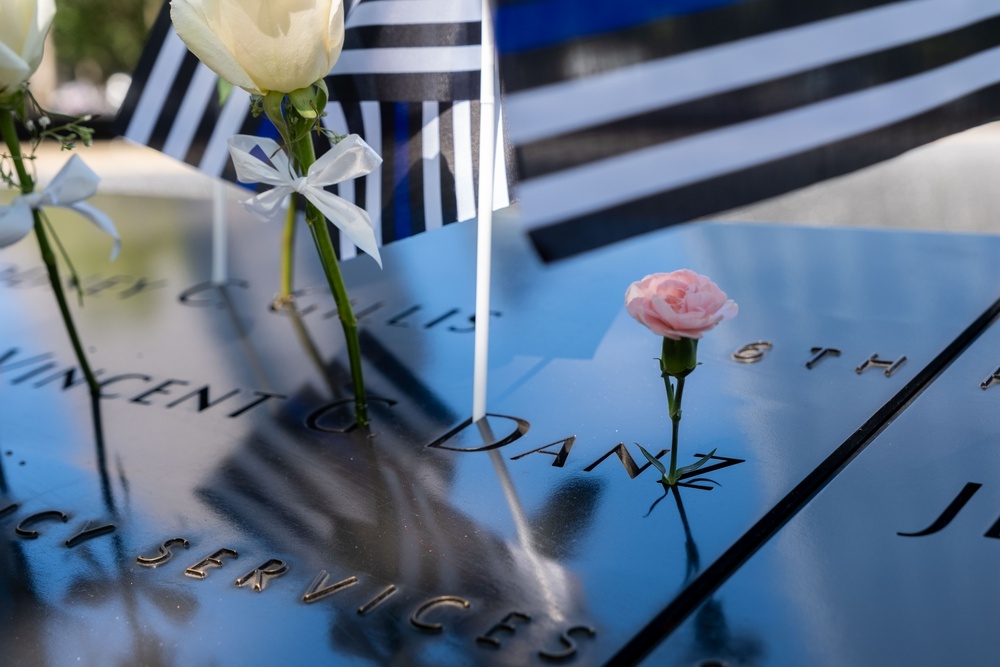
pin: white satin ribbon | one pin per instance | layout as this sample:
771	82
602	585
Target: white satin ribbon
349	159
74	183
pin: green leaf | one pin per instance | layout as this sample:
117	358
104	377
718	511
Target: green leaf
694	466
652	459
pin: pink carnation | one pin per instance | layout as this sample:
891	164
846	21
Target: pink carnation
681	304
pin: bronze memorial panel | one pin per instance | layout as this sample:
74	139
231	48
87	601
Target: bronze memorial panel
228	512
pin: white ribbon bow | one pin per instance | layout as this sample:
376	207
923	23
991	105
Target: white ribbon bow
349	159
74	183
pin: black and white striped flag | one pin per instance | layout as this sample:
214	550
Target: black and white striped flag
407	81
630	115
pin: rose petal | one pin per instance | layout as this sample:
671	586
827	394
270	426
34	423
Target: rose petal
193	21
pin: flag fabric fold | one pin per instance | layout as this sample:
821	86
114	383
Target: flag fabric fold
632	115
407	82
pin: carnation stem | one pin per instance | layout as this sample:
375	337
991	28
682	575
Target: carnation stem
674	396
675	418
9	133
305	155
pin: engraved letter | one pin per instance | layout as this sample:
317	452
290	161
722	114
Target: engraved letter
215	560
568	642
507	624
520	427
441	318
120	378
165	553
204	402
33	372
185	296
318	589
106	283
69	377
33	277
315	418
89	532
22	528
158	389
889	366
560	456
988	382
994	531
397	320
260	575
417	620
628	462
949	512
252	404
819	353
141	285
752	352
726	462
472	321
5	366
376	601
359	313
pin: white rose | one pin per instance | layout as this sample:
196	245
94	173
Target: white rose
23	26
263	45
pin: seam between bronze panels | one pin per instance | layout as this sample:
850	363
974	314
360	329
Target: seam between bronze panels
668	620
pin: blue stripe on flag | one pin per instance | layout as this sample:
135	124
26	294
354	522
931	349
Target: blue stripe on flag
267	129
530	25
401	168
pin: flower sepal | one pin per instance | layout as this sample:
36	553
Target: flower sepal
273	104
680	357
310	101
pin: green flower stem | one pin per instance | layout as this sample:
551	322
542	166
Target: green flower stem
288	253
9	133
675	418
305	156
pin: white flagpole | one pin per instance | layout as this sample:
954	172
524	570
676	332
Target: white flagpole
484	246
220	272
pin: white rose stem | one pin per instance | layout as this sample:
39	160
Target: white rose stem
220	272
484	246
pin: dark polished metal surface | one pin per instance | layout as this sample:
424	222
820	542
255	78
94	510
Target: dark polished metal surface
227	444
893	563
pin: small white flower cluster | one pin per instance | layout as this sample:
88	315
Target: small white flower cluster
43	122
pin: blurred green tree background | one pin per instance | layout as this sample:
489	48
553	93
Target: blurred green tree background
92	51
95	38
